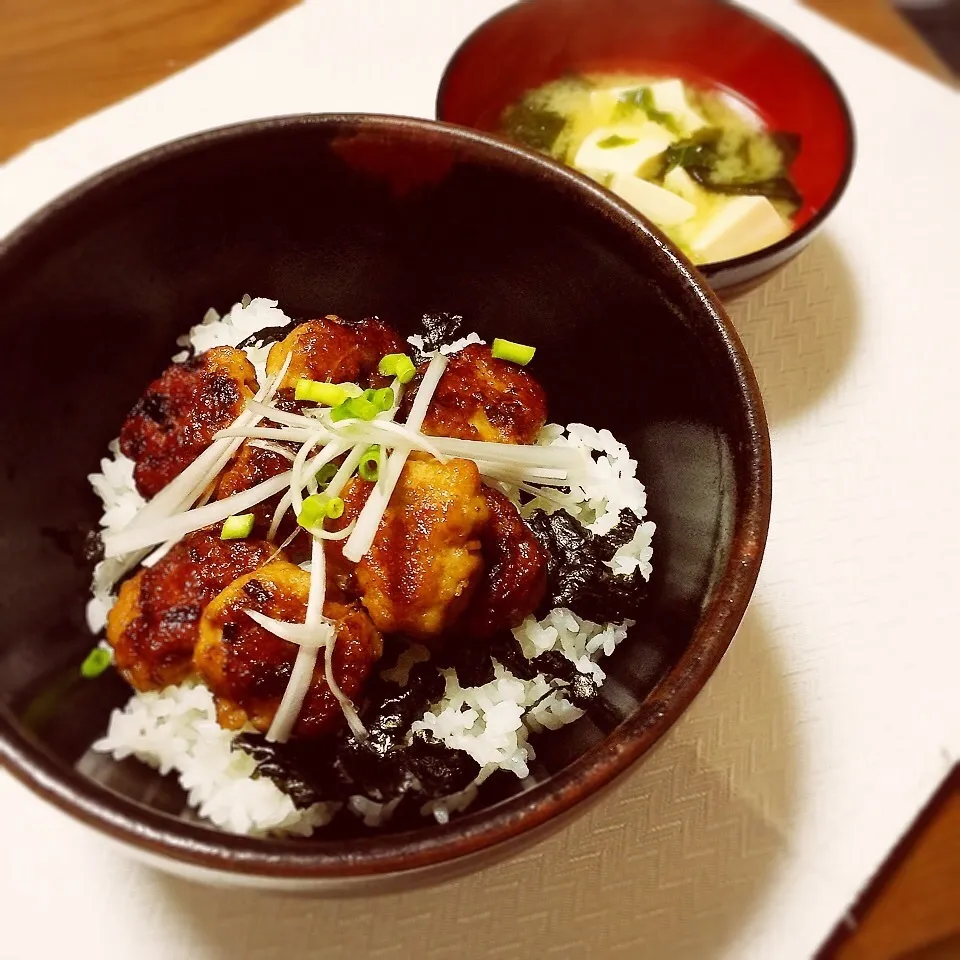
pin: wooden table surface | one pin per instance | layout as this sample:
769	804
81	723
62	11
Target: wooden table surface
62	59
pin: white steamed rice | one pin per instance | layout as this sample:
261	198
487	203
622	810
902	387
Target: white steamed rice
175	730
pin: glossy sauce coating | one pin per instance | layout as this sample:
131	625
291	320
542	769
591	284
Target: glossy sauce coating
425	560
181	411
248	668
515	572
334	351
253	465
154	624
480	398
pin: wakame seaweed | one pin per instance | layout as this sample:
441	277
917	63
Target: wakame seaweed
532	126
776	188
699	155
577	573
643	97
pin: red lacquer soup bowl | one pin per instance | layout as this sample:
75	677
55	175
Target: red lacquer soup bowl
707	43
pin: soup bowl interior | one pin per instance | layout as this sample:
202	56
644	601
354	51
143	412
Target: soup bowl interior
361	216
705	42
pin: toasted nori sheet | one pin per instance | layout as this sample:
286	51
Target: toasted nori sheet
577	573
381	768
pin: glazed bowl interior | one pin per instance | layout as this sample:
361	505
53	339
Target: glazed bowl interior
362	216
708	43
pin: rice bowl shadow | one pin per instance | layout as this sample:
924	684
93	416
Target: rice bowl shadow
800	329
673	861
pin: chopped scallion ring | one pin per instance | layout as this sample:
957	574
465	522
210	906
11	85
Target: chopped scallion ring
237	527
384	398
327	472
314	511
397	365
317	508
95	662
329	394
514	352
370	463
355	408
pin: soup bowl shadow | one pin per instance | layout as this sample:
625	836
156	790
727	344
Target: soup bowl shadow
359	216
709	43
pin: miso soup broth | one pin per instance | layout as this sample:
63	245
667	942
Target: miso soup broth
696	162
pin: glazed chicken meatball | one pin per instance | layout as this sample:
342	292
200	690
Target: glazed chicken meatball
425	560
251	466
515	572
332	350
178	416
154	624
480	398
247	668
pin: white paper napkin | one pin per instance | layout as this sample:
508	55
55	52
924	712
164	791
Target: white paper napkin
750	829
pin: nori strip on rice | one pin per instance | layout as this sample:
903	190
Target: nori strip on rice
578	577
383	767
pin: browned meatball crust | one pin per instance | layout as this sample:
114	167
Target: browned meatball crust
425	560
480	398
177	417
153	626
247	668
515	572
253	465
334	351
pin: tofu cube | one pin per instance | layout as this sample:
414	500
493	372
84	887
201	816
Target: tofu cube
739	226
661	206
628	147
669	96
683	185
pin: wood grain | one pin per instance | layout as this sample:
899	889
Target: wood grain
878	22
62	59
914	911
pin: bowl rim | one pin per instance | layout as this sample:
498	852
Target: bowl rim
796	238
166	840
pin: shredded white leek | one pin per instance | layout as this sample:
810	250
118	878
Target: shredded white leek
284	452
369	520
298	633
346	704
321	534
184	489
300	476
303	667
293	434
175	527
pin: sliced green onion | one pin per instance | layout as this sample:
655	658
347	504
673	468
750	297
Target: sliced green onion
359	408
514	352
370	464
380	398
329	394
237	527
95	662
317	508
397	365
384	398
326	473
313	511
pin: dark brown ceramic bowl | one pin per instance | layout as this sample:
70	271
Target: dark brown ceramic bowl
706	42
362	215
